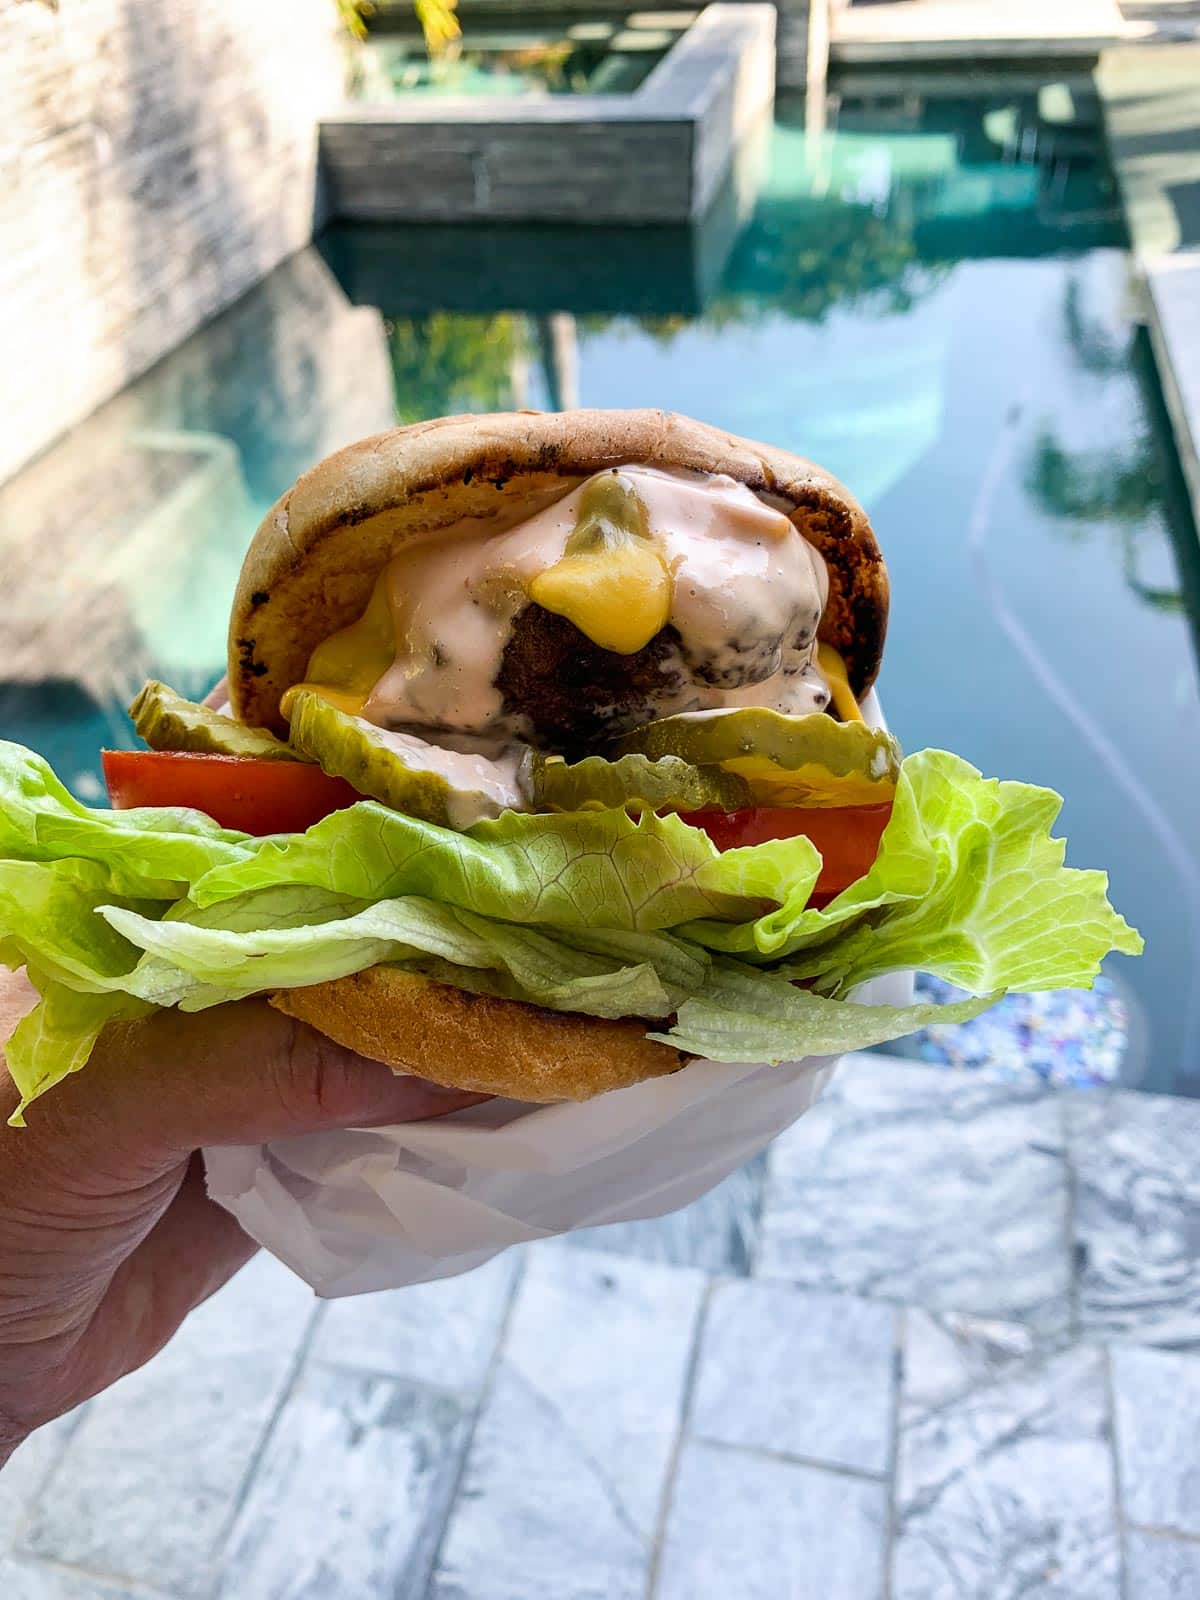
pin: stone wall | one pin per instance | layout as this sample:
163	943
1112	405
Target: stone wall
156	158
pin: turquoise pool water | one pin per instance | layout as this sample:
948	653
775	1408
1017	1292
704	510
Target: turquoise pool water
932	299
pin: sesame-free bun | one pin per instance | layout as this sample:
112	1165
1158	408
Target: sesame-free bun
311	565
476	1042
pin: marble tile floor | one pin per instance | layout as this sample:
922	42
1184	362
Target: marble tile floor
943	1343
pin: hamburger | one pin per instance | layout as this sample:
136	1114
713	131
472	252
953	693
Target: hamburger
550	762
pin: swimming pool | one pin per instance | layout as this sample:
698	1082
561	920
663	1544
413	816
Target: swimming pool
931	298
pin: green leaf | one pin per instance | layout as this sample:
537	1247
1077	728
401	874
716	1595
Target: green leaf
49	921
154	853
291	937
747	1015
58	1036
968	885
624	992
576	870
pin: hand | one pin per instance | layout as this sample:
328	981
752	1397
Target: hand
107	1237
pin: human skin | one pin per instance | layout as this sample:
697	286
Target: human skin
107	1236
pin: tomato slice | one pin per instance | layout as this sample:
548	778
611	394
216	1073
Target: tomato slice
847	836
239	792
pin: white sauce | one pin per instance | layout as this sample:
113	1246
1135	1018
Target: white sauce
749	591
482	783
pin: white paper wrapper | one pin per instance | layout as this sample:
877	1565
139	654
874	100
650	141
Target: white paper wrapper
379	1209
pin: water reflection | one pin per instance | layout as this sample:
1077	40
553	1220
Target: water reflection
122	543
1116	493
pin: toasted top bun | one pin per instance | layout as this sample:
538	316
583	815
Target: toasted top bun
311	565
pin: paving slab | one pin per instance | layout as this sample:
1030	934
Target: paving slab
945	1356
26	1470
442	1333
717	1232
352	1493
565	1480
537	1518
1137	1214
149	1483
745	1527
907	1183
1006	1488
797	1373
1161	1569
35	1580
1156	1397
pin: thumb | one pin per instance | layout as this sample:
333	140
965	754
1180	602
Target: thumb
238	1074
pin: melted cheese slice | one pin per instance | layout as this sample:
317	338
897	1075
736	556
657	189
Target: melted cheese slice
344	668
619	597
833	670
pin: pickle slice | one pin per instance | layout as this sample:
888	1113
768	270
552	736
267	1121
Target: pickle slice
449	787
784	761
166	721
667	784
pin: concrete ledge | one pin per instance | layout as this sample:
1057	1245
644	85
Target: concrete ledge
1174	306
976	30
659	155
1151	101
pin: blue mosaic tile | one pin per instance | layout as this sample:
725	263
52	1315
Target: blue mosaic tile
1069	1038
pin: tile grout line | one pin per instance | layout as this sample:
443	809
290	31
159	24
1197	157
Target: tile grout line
134	1588
1154	1530
667	1498
899	1345
783	1459
287	1390
1049	1336
474	1413
1115	1457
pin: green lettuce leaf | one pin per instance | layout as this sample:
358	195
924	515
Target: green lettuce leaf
58	1036
290	937
149	853
50	922
745	1014
573	870
968	884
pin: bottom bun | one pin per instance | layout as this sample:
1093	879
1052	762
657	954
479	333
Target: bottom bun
477	1042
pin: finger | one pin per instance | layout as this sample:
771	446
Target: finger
238	1074
218	695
